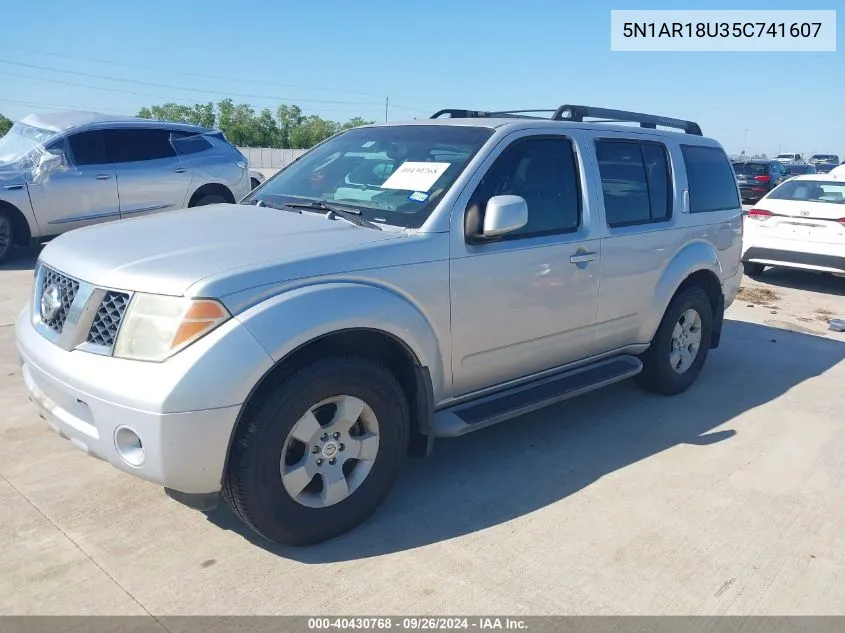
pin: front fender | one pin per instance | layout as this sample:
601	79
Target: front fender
289	320
692	258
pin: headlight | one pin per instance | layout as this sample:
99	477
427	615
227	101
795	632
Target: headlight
156	326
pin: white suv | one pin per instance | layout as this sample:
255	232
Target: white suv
397	283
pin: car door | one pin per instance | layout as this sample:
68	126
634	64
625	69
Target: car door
642	234
527	302
82	192
150	174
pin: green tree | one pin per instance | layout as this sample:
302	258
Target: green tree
290	118
5	124
289	128
354	122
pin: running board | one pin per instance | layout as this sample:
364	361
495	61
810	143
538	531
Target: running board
471	416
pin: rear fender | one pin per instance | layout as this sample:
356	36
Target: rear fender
692	258
287	321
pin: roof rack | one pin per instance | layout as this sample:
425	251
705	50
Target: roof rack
578	113
455	113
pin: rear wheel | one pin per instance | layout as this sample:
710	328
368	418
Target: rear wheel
680	346
752	270
6	236
320	453
253	182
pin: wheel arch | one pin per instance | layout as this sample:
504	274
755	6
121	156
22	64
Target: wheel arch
378	325
695	265
211	188
21	228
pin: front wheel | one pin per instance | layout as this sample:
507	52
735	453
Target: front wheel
317	456
680	346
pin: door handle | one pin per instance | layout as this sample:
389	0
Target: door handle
180	170
582	258
103	177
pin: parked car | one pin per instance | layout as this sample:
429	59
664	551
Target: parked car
799	169
824	162
789	157
67	170
800	224
397	283
255	178
757	176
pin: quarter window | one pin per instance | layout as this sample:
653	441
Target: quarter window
711	181
187	143
635	181
542	171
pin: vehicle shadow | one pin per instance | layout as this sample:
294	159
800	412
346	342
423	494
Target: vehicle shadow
21	259
803	280
514	468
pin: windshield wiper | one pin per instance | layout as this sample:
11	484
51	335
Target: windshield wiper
347	214
275	205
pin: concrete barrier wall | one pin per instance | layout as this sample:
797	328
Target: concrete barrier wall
270	158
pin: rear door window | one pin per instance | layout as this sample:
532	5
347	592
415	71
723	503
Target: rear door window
635	181
711	181
130	145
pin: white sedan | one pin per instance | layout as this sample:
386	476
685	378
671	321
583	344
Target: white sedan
799	224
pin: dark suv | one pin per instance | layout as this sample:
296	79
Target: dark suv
758	176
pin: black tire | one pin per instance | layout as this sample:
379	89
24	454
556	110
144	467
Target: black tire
7	236
210	198
752	270
658	375
253	182
252	483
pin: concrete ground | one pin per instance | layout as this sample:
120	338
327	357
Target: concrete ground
727	499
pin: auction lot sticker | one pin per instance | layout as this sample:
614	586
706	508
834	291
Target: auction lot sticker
728	30
412	176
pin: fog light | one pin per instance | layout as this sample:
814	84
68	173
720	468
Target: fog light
129	446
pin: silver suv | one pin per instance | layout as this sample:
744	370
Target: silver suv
63	171
397	283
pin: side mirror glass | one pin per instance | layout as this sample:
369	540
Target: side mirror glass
504	214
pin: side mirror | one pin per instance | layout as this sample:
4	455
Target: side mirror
504	214
48	163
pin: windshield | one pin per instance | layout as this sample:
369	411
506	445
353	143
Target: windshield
827	158
751	169
392	174
811	191
20	140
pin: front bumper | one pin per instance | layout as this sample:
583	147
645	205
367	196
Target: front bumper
183	410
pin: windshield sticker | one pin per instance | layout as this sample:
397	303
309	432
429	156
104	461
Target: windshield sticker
418	196
413	176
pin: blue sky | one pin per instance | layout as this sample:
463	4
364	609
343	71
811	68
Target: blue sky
341	59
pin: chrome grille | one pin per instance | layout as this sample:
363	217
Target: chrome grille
107	321
55	307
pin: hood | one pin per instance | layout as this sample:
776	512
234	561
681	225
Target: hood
169	252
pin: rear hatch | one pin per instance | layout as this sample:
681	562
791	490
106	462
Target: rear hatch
752	174
797	210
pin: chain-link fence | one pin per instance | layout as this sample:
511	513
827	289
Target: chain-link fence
270	157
